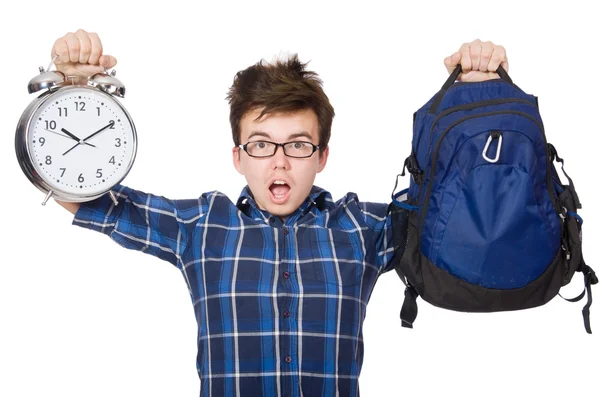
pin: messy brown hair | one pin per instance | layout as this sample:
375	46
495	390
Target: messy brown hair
281	87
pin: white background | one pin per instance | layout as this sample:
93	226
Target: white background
81	316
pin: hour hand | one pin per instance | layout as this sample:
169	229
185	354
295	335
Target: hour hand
72	136
69	134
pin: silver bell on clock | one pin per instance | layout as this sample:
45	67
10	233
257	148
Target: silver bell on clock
75	141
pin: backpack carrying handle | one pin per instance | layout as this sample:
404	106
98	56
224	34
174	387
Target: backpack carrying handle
452	78
458	70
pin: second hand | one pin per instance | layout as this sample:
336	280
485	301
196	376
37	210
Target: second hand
64	136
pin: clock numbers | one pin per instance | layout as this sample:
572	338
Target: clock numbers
80	142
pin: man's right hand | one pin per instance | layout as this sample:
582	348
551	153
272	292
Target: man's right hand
81	54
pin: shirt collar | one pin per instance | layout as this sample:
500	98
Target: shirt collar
317	196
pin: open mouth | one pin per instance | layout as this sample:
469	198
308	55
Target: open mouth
280	192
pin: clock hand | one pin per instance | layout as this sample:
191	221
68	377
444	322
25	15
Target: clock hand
90	136
54	132
64	136
99	131
72	147
73	137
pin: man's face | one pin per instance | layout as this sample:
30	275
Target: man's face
279	183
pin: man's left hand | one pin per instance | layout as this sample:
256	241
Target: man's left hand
479	61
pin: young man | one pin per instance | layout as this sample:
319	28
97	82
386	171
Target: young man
280	278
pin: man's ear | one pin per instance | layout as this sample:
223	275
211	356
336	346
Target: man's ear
323	159
235	153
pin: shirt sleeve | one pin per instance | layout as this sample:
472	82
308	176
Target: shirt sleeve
144	222
389	227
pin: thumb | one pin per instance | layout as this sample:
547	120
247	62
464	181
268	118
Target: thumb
452	62
107	61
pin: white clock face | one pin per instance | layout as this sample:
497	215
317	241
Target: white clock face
81	141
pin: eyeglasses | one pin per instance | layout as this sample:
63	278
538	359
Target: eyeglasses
296	149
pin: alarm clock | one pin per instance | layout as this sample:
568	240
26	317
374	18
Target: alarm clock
75	141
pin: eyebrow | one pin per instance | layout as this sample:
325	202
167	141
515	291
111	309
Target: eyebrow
293	136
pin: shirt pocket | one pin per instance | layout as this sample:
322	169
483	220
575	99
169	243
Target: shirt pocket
338	257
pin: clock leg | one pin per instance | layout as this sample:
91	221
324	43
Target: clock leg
112	196
47	197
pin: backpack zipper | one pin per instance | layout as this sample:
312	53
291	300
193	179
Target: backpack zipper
439	142
468	106
453	109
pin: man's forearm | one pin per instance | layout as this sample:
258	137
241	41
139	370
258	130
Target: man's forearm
71	207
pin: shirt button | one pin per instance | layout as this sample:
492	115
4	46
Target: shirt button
286	274
288	359
286	314
285	230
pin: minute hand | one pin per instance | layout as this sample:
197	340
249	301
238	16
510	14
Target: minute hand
88	137
99	131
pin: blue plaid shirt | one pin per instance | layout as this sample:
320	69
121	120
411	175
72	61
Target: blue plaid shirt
279	305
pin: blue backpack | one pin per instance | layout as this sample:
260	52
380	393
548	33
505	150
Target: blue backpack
490	226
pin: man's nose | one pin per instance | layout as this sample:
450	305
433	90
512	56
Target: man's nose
280	160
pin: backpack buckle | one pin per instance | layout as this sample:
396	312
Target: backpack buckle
410	163
563	215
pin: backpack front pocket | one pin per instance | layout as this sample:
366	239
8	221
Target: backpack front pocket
496	228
